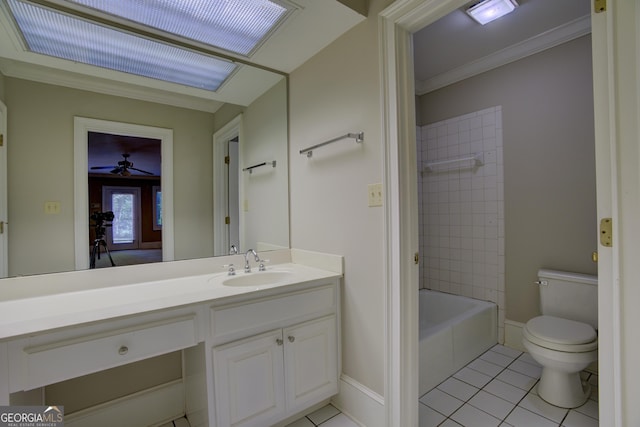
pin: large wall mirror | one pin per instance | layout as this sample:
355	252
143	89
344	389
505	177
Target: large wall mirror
53	106
246	116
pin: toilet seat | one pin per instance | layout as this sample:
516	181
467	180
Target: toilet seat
560	334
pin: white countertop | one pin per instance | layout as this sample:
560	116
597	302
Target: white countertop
35	304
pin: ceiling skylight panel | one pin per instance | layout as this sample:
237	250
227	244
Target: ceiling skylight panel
55	34
234	25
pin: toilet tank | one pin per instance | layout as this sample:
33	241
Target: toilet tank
572	296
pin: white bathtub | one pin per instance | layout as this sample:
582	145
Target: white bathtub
454	330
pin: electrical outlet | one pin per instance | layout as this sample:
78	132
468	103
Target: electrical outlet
375	194
52	208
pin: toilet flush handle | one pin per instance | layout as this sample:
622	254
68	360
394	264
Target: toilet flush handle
541	282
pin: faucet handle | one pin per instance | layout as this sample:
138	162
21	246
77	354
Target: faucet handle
262	262
232	269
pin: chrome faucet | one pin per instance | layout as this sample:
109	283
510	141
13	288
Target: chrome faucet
247	268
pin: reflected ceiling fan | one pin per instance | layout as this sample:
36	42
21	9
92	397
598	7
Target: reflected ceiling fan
123	168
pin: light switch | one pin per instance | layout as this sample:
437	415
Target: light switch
52	208
375	194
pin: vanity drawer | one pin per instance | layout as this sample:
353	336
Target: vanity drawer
70	358
229	322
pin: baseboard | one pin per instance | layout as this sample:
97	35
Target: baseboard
513	334
146	408
151	245
360	403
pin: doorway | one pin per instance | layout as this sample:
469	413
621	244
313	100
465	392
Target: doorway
227	188
4	258
398	23
83	127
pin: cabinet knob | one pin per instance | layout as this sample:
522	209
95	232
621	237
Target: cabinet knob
123	350
278	341
291	338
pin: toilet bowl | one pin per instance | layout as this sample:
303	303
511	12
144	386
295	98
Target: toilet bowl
564	348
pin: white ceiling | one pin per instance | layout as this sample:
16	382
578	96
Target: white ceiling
314	25
456	47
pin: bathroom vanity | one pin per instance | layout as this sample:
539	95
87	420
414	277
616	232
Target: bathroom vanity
257	347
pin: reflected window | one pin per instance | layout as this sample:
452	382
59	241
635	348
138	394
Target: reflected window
157	208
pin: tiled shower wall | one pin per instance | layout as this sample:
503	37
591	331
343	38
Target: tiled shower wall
461	208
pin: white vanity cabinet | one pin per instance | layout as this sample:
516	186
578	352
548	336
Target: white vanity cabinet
266	377
50	357
253	353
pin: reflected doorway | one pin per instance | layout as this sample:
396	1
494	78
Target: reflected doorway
124	178
227	188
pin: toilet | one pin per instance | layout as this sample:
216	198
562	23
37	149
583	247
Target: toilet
564	338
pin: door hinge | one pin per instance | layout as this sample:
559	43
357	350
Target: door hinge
606	232
1	140
599	6
416	258
227	220
227	160
1	227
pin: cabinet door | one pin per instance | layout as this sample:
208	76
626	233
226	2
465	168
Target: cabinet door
311	362
248	381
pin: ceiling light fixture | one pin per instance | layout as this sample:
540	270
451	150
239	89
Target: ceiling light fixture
489	10
60	35
238	26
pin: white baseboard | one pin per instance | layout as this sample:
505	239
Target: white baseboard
360	403
513	334
148	407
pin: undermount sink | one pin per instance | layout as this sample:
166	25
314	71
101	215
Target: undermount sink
257	278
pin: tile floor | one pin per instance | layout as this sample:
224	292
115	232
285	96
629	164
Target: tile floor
496	389
499	389
327	416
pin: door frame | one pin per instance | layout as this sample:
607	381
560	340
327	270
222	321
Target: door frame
220	185
397	23
82	127
4	209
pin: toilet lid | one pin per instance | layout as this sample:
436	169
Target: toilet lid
561	331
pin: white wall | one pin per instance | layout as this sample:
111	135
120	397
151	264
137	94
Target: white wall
336	92
266	208
549	162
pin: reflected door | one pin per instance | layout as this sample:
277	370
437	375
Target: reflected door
3	192
233	191
124	202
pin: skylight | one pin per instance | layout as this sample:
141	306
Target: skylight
237	26
64	36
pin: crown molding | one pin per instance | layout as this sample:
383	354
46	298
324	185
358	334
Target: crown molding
52	76
554	37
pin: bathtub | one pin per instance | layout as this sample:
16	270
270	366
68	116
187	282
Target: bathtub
454	330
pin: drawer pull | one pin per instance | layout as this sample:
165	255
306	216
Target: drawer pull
278	341
291	338
123	350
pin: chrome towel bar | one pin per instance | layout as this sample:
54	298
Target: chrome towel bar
359	137
476	158
251	168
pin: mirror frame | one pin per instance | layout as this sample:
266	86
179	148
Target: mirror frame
81	128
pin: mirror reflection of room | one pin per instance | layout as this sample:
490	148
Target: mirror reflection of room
125	208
